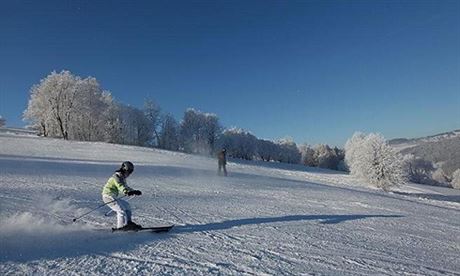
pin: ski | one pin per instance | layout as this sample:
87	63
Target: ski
158	229
155	229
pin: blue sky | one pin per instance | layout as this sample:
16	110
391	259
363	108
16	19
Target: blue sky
313	70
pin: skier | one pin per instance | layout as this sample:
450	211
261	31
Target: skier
222	161
117	185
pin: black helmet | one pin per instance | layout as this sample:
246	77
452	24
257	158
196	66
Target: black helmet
127	167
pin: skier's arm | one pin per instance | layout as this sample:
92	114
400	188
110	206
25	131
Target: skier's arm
127	190
121	187
124	188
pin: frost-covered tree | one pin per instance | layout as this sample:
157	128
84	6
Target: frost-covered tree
418	169
456	179
352	152
326	157
67	106
37	112
322	156
52	103
440	176
307	155
267	150
238	143
288	151
2	121
169	133
113	123
373	160
199	131
87	123
341	164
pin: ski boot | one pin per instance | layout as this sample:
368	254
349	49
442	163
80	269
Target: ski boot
131	226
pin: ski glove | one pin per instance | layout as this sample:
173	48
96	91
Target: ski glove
134	192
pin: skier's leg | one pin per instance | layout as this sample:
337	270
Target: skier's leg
127	218
122	215
225	170
127	210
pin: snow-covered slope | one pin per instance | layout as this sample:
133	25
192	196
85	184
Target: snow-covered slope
264	219
428	139
442	149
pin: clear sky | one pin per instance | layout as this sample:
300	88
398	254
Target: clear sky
313	70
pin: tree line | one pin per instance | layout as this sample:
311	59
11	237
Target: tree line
68	106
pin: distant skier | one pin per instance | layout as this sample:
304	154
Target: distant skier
117	185
222	161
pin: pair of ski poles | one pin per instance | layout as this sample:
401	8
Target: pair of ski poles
102	205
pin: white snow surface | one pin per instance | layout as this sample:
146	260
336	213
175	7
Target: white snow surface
264	219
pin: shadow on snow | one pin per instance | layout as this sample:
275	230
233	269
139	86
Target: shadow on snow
325	219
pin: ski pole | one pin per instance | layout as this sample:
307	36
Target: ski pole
110	211
75	219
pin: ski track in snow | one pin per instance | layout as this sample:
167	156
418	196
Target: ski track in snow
264	219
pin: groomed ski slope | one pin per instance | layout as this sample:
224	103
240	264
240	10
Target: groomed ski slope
264	219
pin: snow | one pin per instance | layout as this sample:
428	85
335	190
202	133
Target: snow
411	143
264	219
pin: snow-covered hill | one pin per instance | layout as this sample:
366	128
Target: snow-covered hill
441	149
264	219
427	139
17	131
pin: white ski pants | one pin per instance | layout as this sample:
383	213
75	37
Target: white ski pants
121	207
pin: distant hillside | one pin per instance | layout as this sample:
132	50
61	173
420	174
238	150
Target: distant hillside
17	131
442	148
432	138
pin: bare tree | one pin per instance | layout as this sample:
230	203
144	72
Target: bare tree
134	126
199	131
169	133
152	113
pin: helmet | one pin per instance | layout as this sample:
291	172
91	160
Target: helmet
127	167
